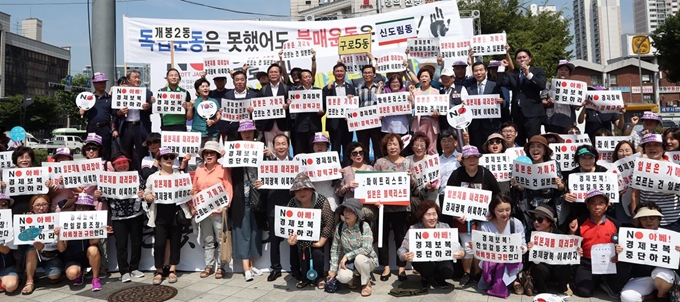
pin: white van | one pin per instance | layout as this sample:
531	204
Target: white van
73	142
29	141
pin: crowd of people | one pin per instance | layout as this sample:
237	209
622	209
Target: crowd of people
345	252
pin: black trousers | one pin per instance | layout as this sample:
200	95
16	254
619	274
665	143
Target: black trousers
162	232
132	228
398	221
317	255
434	271
554	129
542	273
178	128
131	143
105	132
373	135
585	282
303	142
527	127
340	138
275	253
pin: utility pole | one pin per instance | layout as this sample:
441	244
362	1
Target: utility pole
103	33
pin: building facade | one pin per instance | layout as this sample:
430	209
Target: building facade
120	71
536	9
597	30
649	14
319	10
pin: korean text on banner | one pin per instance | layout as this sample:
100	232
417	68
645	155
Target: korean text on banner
395	31
656	176
390	188
336	106
305	101
513	152
624	168
25	181
488	45
674	156
578	139
651	247
563	154
605	101
393	62
168	102
554	249
6	232
118	185
81	173
496	247
431	245
535	176
354	44
35	227
354	63
6	159
473	204
320	166
55	171
428	104
393	103
568	92
426	171
209	200
363	118
426	49
78	225
172	189
484	106
181	143
172	33
216	67
296	49
278	174
305	223
128	97
267	108
235	110
455	48
581	183
499	164
242	154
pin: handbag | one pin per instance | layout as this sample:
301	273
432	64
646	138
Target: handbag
254	196
331	286
181	219
225	241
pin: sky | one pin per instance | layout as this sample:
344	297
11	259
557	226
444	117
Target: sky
66	24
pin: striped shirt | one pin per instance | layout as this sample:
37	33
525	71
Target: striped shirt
667	202
367	95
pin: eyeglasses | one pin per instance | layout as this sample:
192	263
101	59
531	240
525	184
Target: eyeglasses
91	149
447	140
168	157
419	146
40	205
574	132
357	153
508	131
496	141
540	219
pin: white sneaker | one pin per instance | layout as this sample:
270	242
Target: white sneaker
137	274
255	271
125	278
248	275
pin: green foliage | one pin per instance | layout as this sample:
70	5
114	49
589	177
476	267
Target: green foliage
42	114
666	39
67	100
40	157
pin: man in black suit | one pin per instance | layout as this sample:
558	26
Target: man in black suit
133	125
273	127
306	123
480	129
337	127
527	109
240	92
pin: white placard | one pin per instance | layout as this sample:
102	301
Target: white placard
499	164
473	204
605	158
305	223
242	154
355	62
579	139
78	225
118	185
336	106
384	187
209	200
363	118
181	143
656	176
207	109
296	49
483	106
216	67
81	173
428	104
55	171
35	227
513	152
172	33
393	62
601	256
454	49
651	247
278	174
6	231
235	110
673	156
496	247
488	45
431	245
535	176
128	97
305	101
268	108
6	159
320	166
564	154
85	100
395	31
568	92
554	249
170	102
427	171
459	116
423	49
172	189
608	143
25	181
605	101
624	168
581	183
396	103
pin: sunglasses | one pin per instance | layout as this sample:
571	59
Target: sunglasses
168	157
496	141
91	149
540	219
574	132
357	153
156	141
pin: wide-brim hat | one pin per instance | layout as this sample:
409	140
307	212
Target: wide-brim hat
648	115
302	181
246	125
353	204
62	151
647	212
485	146
652	138
566	63
321	137
557	137
447	72
469	151
494	63
5	197
545	211
211	146
99	77
85	199
165	151
538	139
153	136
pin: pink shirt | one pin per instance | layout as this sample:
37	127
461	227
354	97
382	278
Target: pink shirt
204	179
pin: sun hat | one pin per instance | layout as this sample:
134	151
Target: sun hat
153	136
99	77
494	63
485	146
353	204
541	140
165	151
647	212
321	137
545	211
5	197
85	199
651	138
211	146
302	181
246	125
447	72
459	63
93	138
63	151
558	139
565	63
648	115
470	151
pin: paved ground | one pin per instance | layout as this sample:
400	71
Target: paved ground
234	288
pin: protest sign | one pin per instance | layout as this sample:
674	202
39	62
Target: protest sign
427	171
363	118
601	255
268	108
336	106
488	45
305	101
354	44
652	247
499	164
569	92
209	200
605	158
170	102
172	33
428	104
496	247
118	185
128	97
6	159
6	232
320	166
216	67
579	139
655	175
78	225
393	62
459	117
81	173
608	143
25	181
390	188
172	189
278	174
624	168
30	228
605	101
55	172
261	61
393	103
673	156
514	152
305	223
354	63
235	110
473	204
431	245
296	49
483	106
564	154
242	154
425	49
554	249
206	109
85	100
395	31
581	183
535	176
454	49
181	143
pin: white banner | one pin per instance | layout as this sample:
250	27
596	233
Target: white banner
535	177
555	249
624	168
499	164
78	225
6	159
305	223
514	152
673	156
496	247
483	106
428	104
568	92
393	103
25	181
172	189
581	183
393	62
605	101
579	139
363	118
564	154
6	231
305	101
651	247
426	49
242	154
209	200
168	102
55	172
656	176
267	108
608	143
473	204
488	45
81	173
35	227
395	31
235	110
455	48
181	143
427	171
384	187
118	185
278	174
431	245
128	97
337	105
172	33
320	166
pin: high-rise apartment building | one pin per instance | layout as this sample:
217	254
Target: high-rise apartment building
597	30
649	14
537	9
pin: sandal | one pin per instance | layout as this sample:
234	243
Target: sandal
353	284
28	289
303	284
367	290
157	278
172	277
321	284
205	273
517	288
219	274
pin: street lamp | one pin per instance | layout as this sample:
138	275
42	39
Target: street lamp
639	52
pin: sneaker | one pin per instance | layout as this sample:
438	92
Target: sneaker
248	276
96	285
256	271
78	281
465	280
605	287
137	274
125	278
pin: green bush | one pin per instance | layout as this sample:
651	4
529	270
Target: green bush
40	157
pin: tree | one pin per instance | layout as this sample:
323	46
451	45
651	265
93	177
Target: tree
666	39
67	100
42	114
